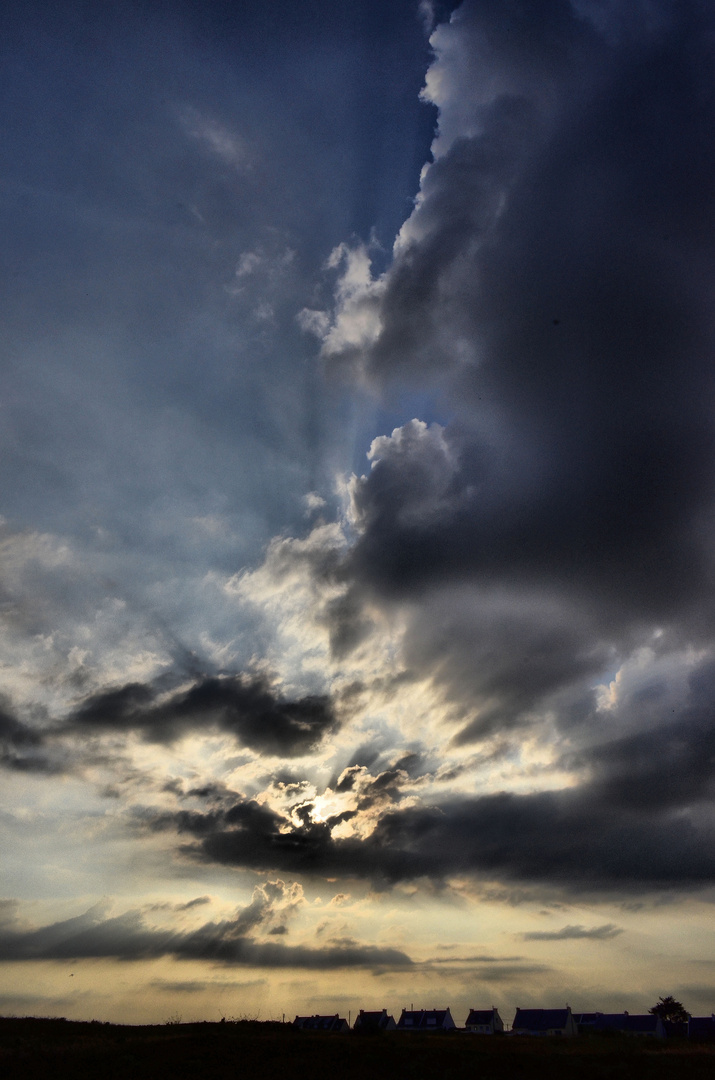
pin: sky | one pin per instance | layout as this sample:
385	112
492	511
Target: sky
357	576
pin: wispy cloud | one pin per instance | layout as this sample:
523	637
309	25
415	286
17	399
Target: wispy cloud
216	137
231	942
575	933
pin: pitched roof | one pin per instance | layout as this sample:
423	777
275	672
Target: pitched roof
320	1023
540	1019
373	1020
642	1022
586	1018
480	1016
645	1022
701	1027
423	1019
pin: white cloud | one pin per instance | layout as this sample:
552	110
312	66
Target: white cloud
225	144
419	452
313	501
354	322
314	322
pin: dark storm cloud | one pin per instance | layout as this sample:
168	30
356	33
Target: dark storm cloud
670	764
22	747
127	937
13	732
555	278
245	707
504	656
572	838
575	933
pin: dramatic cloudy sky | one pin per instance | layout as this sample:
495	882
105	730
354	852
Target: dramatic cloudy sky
357	550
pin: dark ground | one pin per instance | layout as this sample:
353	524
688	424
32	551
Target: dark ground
33	1048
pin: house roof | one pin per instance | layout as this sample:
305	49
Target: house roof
480	1016
701	1027
645	1022
540	1019
425	1018
320	1023
373	1019
586	1018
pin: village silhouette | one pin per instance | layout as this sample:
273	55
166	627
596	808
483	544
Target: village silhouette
539	1044
667	1019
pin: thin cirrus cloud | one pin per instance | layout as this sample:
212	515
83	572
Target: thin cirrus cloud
575	933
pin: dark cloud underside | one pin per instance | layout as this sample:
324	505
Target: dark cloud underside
246	708
127	937
567	247
574	839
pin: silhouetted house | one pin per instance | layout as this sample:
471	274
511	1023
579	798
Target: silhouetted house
675	1029
321	1023
426	1020
484	1021
702	1028
368	1022
644	1025
585	1022
544	1022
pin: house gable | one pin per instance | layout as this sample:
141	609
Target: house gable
544	1022
426	1020
374	1021
645	1024
484	1021
333	1023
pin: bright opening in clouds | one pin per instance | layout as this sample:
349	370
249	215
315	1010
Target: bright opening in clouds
358	491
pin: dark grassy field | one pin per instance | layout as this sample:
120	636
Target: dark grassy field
31	1048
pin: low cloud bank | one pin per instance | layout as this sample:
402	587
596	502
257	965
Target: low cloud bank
230	942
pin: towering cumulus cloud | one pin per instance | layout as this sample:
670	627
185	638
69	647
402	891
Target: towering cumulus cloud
553	280
551	294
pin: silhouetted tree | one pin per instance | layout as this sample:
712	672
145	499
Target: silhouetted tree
669	1009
